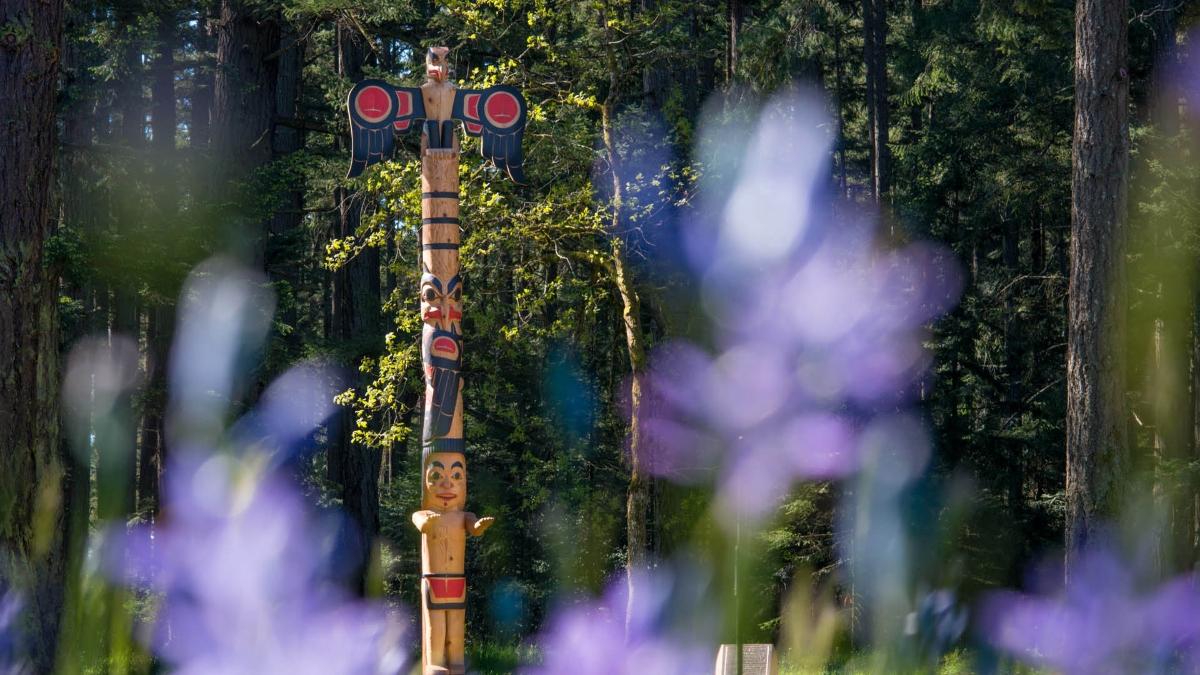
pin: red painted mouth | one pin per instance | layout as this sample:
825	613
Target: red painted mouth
446	345
446	495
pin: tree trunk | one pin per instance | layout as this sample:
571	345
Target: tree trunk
1163	97
734	15
199	122
875	56
1174	332
286	236
1096	455
1013	375
357	320
243	110
32	473
77	175
638	497
839	105
117	468
160	314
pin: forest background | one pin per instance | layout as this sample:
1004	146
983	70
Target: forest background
190	128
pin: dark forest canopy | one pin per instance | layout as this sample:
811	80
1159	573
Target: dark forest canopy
145	138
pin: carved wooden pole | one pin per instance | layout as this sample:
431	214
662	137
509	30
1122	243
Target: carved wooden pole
497	115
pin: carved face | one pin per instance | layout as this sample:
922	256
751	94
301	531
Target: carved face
437	64
441	302
445	484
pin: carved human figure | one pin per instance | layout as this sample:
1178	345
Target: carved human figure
444	527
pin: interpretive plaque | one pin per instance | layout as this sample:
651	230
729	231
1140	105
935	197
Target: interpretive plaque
757	659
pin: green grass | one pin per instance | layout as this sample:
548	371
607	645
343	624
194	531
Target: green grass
955	663
497	659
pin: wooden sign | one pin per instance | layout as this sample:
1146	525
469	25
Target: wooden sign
497	115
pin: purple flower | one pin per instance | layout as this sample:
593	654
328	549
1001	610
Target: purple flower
591	638
241	564
1183	76
817	329
937	624
1100	622
244	580
10	612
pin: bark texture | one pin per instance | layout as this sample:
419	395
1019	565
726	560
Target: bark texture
31	468
243	109
1096	453
356	321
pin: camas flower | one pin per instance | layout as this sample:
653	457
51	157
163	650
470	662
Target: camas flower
1100	622
10	611
245	584
610	637
241	566
817	330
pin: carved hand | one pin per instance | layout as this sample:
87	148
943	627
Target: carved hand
482	525
425	520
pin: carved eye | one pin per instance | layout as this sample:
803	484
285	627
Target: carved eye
435	476
457	294
457	475
430	295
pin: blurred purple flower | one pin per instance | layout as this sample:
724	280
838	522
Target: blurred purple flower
816	329
591	638
1183	76
244	583
937	624
241	564
10	612
1100	622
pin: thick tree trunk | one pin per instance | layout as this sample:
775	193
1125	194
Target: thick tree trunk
32	472
243	111
357	320
1096	454
285	244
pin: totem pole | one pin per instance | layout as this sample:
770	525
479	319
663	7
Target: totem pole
497	116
